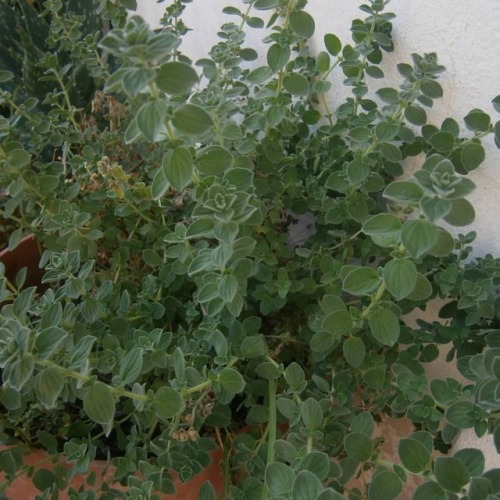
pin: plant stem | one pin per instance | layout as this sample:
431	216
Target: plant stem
272	428
375	299
170	131
354	236
196	388
85	378
67	100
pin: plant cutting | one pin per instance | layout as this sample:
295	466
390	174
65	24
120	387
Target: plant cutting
183	309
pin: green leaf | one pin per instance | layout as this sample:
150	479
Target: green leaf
479	488
6	76
294	375
18	158
132	134
191	119
323	62
358	446
200	228
472	156
385	131
400	277
249	54
462	213
431	89
48	184
442	142
160	183
275	114
207	491
337	323
49	383
311	414
451	126
279	478
254	22
384	229
360	134
232	132
306	486
451	473
167	403
384	326
266	4
296	84
176	78
278	56
332	44
361	281
253	347
322	342
428	491
388	95
44	479
477	121
259	75
354	351
134	80
131	365
422	290
208	292
318	463
20	371
385	485
363	422
99	405
416	115
231	11
178	165
404	192
496	103
414	455
374	72
151	119
48	340
357	172
228	287
419	236
496	437
473	460
435	208
461	414
231	380
302	23
226	232
444	245
391	152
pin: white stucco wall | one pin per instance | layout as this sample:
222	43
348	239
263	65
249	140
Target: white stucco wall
464	33
466	36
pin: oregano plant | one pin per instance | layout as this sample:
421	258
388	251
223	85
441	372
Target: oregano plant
228	260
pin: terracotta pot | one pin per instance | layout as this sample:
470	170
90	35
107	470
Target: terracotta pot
23	488
26	254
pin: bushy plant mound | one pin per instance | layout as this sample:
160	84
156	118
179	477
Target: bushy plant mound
224	247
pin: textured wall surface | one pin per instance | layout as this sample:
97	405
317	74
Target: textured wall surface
466	36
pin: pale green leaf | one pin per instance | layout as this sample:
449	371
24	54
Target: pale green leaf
176	78
191	119
384	326
99	405
400	277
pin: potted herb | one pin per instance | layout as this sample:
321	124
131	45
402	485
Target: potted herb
185	311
